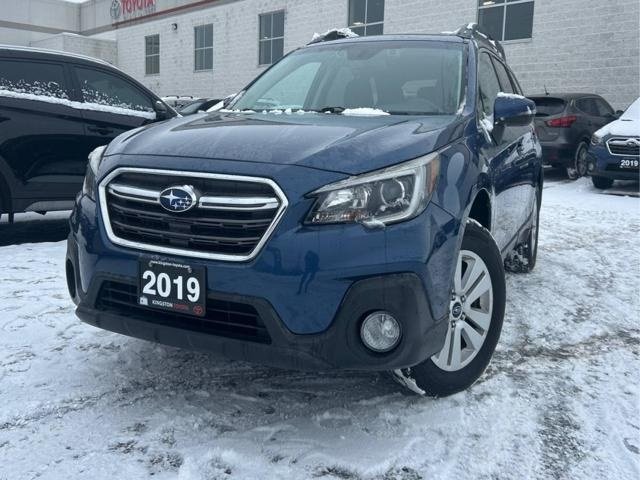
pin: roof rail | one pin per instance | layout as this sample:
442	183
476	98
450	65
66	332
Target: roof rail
473	30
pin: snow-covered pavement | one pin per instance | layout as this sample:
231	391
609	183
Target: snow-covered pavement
560	399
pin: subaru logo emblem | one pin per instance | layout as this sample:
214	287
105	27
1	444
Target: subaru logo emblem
456	311
178	199
633	142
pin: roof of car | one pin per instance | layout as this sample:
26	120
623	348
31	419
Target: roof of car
463	34
45	52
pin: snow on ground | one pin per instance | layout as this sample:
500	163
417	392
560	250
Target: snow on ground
560	399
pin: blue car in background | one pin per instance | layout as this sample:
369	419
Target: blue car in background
614	153
353	208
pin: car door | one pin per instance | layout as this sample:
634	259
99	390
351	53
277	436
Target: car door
42	155
498	149
111	104
523	167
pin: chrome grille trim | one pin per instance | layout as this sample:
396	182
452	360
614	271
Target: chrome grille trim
621	143
206	203
136	194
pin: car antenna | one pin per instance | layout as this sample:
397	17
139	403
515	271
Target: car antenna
546	92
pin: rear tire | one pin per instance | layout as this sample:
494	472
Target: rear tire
601	183
475	318
579	165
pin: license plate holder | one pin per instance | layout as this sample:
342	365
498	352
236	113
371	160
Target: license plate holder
172	286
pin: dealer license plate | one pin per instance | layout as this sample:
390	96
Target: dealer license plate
626	163
172	286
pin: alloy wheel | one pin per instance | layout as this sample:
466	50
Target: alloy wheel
470	313
581	160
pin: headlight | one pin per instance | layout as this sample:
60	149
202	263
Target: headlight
596	139
89	184
378	198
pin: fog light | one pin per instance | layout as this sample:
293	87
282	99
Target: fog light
380	332
591	166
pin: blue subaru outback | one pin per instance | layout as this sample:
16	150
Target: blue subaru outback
354	207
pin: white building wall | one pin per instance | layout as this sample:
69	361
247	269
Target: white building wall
50	16
74	43
577	45
235	43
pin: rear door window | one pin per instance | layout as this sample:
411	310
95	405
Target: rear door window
588	105
549	106
604	109
104	91
33	80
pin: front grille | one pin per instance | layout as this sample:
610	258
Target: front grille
223	318
231	220
624	146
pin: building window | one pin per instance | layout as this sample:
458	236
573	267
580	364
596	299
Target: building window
152	55
271	40
203	47
366	17
506	19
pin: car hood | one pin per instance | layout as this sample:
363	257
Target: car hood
338	143
623	127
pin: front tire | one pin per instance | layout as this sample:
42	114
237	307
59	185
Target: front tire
475	318
601	183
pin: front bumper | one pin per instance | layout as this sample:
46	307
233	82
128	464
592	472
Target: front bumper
311	288
601	163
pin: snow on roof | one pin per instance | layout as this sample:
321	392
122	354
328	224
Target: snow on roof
333	34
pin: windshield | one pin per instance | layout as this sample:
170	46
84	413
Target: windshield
397	77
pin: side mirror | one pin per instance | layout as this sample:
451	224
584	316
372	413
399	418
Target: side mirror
162	111
513	110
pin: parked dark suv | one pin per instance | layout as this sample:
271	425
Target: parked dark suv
55	108
565	123
352	208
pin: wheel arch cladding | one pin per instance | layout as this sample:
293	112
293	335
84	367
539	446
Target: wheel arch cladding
481	209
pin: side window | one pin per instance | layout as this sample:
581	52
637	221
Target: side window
45	80
488	85
588	106
102	88
604	109
503	76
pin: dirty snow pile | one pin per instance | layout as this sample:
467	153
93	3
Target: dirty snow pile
559	401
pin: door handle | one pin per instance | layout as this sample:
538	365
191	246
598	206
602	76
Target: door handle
100	130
